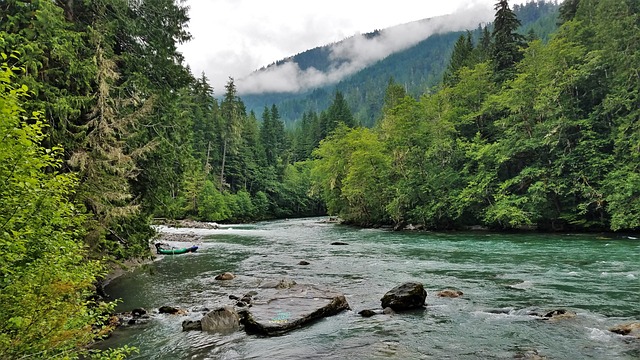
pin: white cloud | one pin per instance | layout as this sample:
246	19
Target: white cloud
357	52
235	37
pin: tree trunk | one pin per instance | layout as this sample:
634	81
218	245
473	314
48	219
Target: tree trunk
224	156
68	10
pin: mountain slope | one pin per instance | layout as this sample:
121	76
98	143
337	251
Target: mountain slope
418	68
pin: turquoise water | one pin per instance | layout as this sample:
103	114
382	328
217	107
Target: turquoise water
504	277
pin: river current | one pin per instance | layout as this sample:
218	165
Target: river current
504	277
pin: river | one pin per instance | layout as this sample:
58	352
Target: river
504	278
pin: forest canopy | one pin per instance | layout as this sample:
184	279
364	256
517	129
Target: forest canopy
531	135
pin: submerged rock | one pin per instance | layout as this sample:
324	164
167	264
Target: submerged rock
630	329
559	314
171	310
405	297
221	320
284	309
138	312
448	293
529	355
190	325
284	283
367	313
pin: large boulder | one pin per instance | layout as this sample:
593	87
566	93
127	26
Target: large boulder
282	309
405	297
221	320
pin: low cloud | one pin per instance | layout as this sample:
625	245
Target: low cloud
358	52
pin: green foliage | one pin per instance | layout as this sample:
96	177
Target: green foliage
212	204
45	277
539	137
350	173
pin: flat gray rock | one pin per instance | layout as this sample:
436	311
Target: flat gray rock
281	310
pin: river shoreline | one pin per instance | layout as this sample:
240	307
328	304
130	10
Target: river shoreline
116	269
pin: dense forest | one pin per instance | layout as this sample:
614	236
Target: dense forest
104	128
521	134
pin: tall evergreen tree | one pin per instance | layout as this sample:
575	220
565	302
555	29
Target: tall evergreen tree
231	114
339	112
568	11
461	57
393	96
506	42
483	50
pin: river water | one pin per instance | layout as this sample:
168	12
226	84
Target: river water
504	278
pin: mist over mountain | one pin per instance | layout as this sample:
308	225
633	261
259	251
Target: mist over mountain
344	58
414	55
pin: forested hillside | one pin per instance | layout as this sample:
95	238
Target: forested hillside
418	69
522	134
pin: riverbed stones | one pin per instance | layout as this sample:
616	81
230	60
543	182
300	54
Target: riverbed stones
225	276
221	320
280	310
628	329
408	296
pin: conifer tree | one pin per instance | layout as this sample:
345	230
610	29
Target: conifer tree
393	96
339	112
568	11
506	42
483	50
231	113
461	57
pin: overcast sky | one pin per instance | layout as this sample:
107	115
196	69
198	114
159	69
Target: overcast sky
235	37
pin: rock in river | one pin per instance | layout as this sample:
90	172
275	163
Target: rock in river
221	320
281	310
629	329
448	293
171	310
189	325
225	276
405	297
